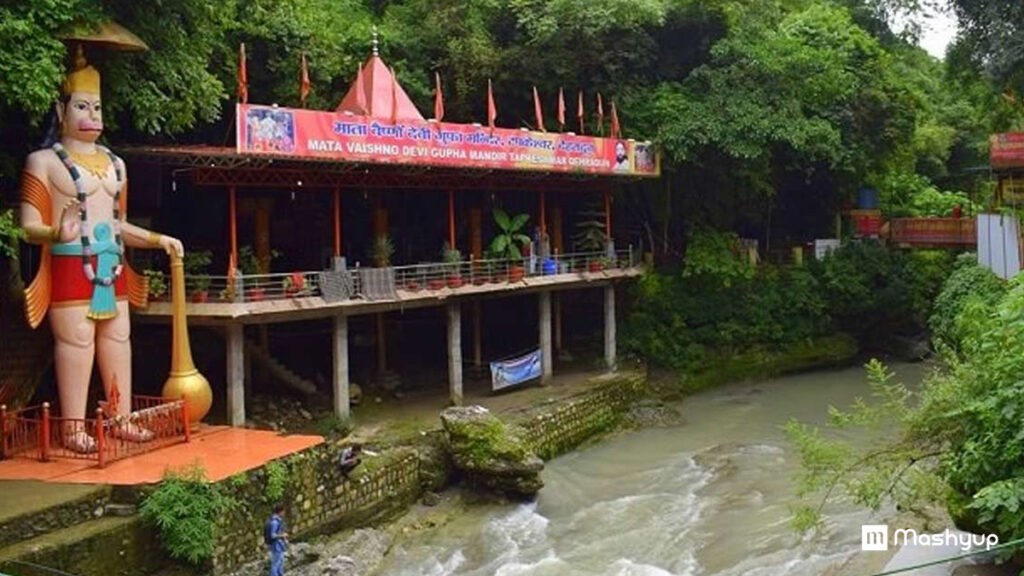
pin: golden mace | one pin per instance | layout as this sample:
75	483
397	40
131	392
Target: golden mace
184	380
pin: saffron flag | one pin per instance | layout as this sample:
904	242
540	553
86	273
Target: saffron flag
579	112
537	111
360	92
616	129
243	78
492	110
438	98
600	115
561	110
304	82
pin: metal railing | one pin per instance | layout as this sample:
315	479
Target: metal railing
410	278
34	433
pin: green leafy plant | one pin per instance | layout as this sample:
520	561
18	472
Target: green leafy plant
510	238
277	481
450	255
332	425
185	507
249	262
10	234
382	251
197	266
590	231
156	283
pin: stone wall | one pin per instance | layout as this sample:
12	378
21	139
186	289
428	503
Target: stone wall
319	500
563	426
70	513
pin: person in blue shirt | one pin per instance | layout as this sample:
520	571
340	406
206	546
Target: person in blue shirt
276	538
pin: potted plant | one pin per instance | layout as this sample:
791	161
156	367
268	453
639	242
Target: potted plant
196	272
249	265
412	285
436	278
295	285
156	284
509	241
590	234
452	259
482	273
382	250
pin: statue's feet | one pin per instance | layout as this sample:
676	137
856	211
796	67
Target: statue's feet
132	432
80	442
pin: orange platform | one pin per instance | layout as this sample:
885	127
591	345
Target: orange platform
221	451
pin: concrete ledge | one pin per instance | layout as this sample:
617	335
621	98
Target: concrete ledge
294	309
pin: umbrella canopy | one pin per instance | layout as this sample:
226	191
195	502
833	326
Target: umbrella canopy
107	34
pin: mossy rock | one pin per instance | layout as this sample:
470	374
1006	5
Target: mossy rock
491	453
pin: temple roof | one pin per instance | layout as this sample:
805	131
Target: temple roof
382	94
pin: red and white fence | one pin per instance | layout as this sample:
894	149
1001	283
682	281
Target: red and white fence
33	432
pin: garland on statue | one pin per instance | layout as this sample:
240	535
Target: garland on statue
76	176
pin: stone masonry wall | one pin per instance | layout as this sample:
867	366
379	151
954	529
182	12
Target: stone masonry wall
319	500
562	427
70	513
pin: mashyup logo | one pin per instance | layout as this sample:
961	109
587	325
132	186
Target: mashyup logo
875	538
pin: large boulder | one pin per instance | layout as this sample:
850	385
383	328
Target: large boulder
491	453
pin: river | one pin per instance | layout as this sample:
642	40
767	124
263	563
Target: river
709	497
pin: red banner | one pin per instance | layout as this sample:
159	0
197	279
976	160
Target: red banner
317	134
1007	150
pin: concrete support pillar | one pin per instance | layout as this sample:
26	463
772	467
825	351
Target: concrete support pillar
546	357
339	376
477	336
609	327
236	375
455	354
382	345
558	322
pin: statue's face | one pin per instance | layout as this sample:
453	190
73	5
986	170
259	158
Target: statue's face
83	117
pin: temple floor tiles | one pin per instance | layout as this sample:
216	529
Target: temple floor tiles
221	451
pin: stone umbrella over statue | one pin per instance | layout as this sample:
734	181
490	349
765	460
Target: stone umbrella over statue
74	205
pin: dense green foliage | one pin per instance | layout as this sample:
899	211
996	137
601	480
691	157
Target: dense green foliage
278	478
957	439
719	303
184	508
10	234
969	288
771	114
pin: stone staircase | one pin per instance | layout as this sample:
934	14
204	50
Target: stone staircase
273	368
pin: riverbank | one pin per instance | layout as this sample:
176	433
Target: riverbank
401	470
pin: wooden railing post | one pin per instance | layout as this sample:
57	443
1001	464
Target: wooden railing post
100	438
44	434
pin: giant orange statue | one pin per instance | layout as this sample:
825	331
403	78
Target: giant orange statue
74	204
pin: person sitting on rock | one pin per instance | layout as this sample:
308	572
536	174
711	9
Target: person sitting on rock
350	458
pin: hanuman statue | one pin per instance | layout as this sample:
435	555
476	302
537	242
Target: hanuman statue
74	204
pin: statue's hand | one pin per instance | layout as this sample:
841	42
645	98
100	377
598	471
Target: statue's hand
172	246
70	224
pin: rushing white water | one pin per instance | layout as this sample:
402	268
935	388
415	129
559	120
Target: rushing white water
710	497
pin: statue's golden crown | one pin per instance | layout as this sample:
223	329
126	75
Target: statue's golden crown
83	77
